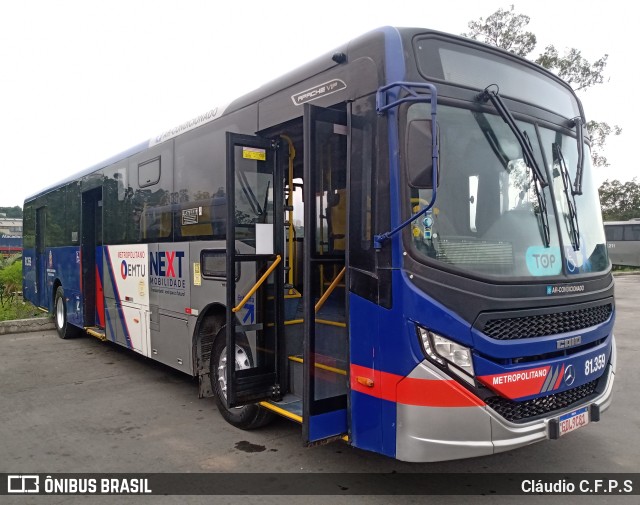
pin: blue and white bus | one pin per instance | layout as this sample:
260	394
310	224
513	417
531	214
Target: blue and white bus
398	245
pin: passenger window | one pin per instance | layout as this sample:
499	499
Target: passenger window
214	264
149	173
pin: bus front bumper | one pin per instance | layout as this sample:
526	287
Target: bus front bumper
426	434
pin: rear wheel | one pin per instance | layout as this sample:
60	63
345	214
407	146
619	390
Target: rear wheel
247	417
65	330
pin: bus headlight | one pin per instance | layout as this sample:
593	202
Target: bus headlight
444	352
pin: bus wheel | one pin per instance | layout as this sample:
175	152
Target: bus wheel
247	417
65	330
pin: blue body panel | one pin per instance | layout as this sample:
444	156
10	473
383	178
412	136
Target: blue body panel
329	424
60	264
29	275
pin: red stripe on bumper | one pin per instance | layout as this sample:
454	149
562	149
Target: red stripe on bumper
411	391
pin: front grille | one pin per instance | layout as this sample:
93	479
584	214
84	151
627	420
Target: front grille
523	411
542	325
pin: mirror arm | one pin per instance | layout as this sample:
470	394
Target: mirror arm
382	106
378	240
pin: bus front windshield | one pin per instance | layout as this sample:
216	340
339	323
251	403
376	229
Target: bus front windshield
491	217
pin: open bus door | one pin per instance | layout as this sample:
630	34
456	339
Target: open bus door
255	276
41	261
93	299
325	354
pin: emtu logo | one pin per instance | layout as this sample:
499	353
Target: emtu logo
135	270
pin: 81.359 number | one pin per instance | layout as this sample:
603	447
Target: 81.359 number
594	364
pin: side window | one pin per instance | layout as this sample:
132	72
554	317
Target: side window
148	195
632	232
214	264
613	233
29	226
362	187
149	173
56	219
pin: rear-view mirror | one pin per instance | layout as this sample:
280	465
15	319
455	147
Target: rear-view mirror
419	148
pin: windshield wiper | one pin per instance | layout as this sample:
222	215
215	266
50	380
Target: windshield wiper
504	112
492	139
577	187
248	193
574	230
538	188
539	182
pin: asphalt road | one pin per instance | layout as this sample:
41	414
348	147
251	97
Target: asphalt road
85	406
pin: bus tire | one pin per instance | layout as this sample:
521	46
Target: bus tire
247	417
65	330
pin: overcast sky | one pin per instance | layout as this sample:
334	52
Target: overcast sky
81	81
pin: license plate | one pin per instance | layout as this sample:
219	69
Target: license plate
573	420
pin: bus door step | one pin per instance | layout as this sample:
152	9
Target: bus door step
97	332
290	407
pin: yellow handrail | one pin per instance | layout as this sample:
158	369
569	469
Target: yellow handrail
292	155
257	284
330	289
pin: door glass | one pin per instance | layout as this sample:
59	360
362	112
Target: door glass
253	245
253	194
325	322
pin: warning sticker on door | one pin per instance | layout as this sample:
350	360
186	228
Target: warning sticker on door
254	153
197	278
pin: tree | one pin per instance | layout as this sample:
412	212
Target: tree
620	202
504	29
507	30
12	212
599	133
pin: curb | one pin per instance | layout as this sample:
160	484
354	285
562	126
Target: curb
26	325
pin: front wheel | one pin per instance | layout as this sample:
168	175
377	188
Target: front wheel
247	417
65	330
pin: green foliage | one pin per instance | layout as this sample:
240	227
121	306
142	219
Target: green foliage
11	304
18	309
620	201
507	30
504	29
12	212
10	282
11	275
599	131
573	68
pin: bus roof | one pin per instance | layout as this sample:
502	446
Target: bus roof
314	67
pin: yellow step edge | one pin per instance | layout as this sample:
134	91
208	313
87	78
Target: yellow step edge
282	412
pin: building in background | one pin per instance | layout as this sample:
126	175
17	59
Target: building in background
10	235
